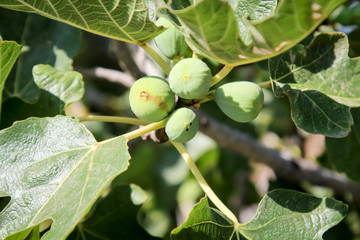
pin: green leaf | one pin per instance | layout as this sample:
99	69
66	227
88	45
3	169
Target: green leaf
287	214
252	10
117	212
319	79
344	153
44	42
68	86
122	20
212	30
52	168
9	52
282	214
205	223
316	113
323	66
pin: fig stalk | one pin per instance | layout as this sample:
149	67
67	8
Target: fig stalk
202	182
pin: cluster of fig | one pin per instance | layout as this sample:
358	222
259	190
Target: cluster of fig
153	99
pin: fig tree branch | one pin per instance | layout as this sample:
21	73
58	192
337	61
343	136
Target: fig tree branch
289	169
107	74
124	57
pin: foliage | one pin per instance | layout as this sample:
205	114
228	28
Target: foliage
61	178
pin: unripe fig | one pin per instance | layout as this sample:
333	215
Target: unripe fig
171	43
182	125
151	99
190	78
240	101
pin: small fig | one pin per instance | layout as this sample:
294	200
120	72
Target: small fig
151	99
182	125
190	78
240	101
171	43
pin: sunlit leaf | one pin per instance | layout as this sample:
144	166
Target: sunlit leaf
282	214
52	168
212	30
122	20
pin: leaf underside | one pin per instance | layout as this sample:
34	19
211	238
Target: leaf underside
282	214
213	30
122	20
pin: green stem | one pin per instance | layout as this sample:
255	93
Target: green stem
194	55
148	128
220	75
199	177
266	84
127	120
208	97
162	63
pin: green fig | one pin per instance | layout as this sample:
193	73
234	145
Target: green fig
171	43
240	101
182	125
190	78
151	99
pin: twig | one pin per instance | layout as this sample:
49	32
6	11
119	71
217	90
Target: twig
288	169
108	74
125	59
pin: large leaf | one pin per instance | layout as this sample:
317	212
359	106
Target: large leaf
319	79
316	113
212	30
323	66
344	153
53	168
117	212
57	90
122	20
9	52
45	42
252	10
282	214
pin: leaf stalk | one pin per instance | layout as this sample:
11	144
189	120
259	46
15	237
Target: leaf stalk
202	182
127	120
221	74
148	128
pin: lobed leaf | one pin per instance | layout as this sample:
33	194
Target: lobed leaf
316	113
212	29
122	20
282	214
323	66
287	214
53	169
322	83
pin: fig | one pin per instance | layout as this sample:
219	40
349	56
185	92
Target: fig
182	125
171	43
151	99
240	101
190	78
